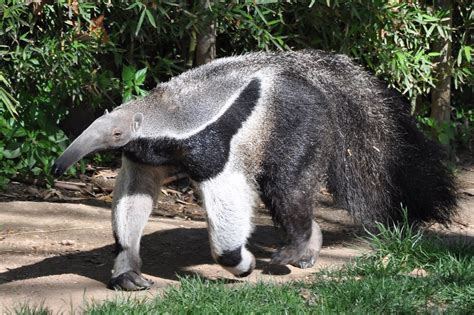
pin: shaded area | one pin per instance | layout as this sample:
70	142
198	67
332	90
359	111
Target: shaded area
165	254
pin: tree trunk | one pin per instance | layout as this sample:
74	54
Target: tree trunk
191	49
206	39
441	93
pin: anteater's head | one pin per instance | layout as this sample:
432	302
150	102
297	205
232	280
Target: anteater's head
110	131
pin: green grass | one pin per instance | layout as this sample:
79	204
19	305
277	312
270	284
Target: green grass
382	282
379	282
29	309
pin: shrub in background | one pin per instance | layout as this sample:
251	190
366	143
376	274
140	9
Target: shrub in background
63	62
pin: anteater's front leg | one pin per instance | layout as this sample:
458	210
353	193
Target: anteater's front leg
228	199
135	193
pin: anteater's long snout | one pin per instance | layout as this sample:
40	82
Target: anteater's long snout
68	158
91	140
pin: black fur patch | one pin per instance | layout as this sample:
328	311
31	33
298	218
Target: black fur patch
245	274
204	154
288	180
154	152
118	247
230	258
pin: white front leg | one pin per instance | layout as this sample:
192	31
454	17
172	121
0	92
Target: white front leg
135	192
228	200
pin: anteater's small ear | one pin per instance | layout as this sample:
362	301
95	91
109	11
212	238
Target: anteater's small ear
137	121
106	111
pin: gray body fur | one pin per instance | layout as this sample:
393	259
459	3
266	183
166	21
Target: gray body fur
274	126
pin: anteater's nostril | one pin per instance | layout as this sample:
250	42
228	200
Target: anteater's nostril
56	170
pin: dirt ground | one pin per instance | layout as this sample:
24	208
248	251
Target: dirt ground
60	254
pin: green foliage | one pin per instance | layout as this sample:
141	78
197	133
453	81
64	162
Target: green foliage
249	27
460	128
49	66
63	55
7	101
393	38
26	309
402	241
132	81
27	151
198	296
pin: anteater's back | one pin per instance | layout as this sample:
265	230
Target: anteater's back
332	123
360	139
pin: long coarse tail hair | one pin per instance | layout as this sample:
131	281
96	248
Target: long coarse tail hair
381	163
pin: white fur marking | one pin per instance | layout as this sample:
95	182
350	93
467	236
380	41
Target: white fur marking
130	213
247	263
228	200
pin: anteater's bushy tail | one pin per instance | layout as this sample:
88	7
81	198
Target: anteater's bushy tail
426	186
379	160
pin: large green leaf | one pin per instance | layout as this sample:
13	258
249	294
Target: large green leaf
12	154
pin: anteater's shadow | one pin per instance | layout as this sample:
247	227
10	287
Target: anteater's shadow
165	254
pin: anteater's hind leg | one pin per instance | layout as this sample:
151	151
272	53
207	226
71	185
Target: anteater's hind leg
134	195
292	209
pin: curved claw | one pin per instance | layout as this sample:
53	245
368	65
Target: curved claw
130	281
305	263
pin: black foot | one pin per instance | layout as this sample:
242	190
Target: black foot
291	256
285	255
129	281
245	274
304	263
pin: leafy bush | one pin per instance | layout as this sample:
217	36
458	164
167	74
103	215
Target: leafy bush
64	57
48	66
61	56
394	39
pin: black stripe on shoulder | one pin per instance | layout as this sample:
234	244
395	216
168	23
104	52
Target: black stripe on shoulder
209	149
231	121
204	154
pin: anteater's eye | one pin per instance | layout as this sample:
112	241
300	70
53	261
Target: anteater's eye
116	133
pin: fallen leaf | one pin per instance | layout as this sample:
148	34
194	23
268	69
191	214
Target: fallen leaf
418	273
308	296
